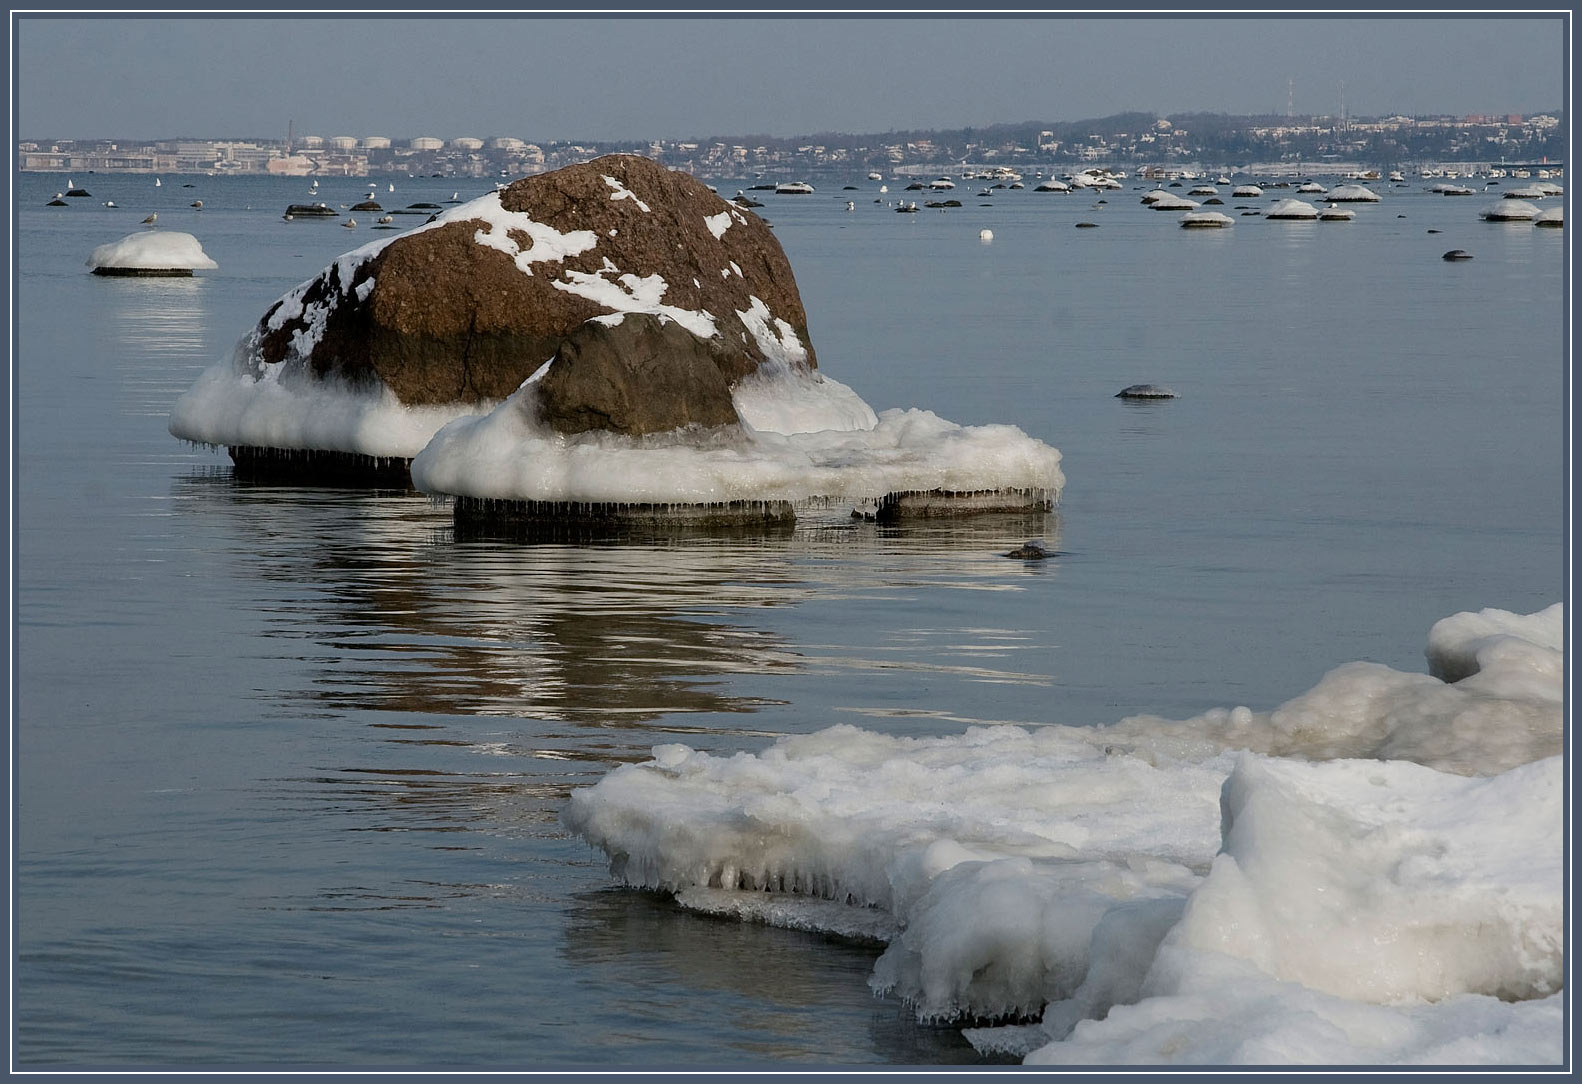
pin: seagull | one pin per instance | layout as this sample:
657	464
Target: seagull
157	182
350	223
109	203
198	203
151	219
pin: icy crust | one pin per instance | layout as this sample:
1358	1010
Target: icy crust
1357	913
803	437
1496	642
791	400
240	403
1387	882
1499	704
152	250
1150	891
1228	1013
994	853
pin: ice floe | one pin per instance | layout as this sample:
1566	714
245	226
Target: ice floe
1372	872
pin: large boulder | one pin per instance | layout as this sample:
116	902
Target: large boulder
653	297
470	305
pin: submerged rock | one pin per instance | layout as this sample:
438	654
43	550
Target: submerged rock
1457	254
1031	550
1145	391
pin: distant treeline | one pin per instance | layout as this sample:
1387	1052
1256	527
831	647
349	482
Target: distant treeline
1201	136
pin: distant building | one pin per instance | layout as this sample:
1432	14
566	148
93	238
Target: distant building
297	165
426	143
376	143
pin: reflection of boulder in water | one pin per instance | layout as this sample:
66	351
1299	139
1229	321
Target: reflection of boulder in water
611	632
477	518
641	630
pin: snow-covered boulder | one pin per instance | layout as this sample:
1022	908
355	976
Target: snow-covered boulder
1206	220
394	339
1292	209
1509	210
1352	193
151	253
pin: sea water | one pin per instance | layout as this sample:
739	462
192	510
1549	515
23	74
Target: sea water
290	762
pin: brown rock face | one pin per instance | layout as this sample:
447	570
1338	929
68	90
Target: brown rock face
645	374
466	309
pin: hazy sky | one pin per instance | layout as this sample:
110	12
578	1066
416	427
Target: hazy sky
619	77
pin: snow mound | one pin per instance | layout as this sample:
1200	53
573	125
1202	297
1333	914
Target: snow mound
152	250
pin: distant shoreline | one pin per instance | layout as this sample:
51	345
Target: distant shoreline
1130	141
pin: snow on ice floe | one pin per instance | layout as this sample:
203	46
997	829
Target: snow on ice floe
803	437
152	251
239	402
1371	873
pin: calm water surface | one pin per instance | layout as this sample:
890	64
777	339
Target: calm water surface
289	761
